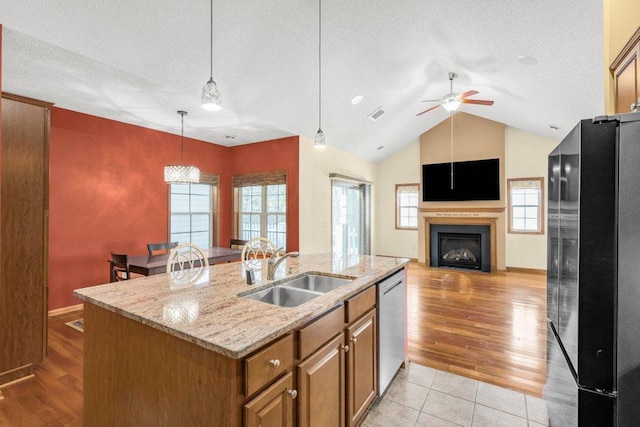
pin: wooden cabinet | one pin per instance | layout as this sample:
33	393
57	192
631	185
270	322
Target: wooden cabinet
268	364
626	75
321	390
337	381
273	407
24	210
362	371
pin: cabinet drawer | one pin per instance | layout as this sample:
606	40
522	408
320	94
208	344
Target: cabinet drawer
268	364
319	332
360	304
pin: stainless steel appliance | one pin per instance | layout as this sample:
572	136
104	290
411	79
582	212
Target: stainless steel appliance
593	275
391	327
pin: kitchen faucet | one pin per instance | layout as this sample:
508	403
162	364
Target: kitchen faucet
275	260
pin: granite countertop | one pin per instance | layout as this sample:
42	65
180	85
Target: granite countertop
206	309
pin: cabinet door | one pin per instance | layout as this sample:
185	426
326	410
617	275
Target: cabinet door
626	72
273	407
321	386
361	367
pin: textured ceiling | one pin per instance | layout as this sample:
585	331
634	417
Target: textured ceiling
141	61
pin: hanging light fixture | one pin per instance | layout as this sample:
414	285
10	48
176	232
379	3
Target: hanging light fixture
181	174
319	141
210	93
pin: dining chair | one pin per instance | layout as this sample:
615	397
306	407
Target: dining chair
119	267
258	247
186	265
160	248
237	243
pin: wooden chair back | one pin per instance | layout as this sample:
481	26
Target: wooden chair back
119	267
160	248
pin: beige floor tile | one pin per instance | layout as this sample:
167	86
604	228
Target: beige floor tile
426	420
406	393
537	410
391	414
501	399
484	416
448	407
418	374
455	385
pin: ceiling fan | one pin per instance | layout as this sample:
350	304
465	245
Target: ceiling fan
452	101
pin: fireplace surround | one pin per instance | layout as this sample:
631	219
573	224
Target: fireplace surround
485	226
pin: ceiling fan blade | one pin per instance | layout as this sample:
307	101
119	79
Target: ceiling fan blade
468	93
428	109
431	100
477	101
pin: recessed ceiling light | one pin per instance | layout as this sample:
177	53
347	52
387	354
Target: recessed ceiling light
553	127
380	147
527	60
357	99
230	136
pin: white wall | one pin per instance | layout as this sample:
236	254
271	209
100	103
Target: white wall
401	168
315	192
526	156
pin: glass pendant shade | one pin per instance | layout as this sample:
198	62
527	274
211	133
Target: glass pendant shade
211	96
181	174
319	141
451	104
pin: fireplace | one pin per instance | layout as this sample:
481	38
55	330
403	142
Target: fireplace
460	250
460	246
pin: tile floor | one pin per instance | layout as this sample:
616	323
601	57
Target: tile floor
421	396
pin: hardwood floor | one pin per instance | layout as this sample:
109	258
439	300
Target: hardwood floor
490	327
54	396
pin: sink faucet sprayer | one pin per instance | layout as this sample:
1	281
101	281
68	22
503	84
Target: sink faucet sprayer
275	260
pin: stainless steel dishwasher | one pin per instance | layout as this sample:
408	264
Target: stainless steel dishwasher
391	327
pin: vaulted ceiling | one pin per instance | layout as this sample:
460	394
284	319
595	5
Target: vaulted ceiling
141	61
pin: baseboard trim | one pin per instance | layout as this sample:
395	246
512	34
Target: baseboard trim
64	310
527	270
395	256
16	375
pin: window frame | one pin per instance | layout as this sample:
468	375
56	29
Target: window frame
398	206
540	229
260	179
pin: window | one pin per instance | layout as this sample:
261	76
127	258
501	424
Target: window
407	206
261	207
192	213
526	209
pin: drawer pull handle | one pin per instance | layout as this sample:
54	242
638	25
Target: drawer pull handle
275	363
354	340
345	348
292	393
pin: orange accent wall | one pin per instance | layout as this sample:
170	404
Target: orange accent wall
275	155
107	192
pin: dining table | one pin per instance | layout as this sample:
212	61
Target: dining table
155	264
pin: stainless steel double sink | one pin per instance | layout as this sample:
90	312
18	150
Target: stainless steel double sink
299	290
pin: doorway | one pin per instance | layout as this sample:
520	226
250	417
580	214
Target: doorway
350	217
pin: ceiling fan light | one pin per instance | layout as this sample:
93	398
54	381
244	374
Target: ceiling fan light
451	105
211	96
319	141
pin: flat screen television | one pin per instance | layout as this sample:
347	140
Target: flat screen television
473	180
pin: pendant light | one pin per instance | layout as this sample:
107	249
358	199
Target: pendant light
210	93
319	141
181	174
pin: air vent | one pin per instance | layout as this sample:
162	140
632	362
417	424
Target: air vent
377	113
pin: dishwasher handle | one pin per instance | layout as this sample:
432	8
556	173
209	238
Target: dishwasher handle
389	287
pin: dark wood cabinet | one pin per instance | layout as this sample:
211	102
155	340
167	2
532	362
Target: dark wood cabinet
626	74
273	407
24	212
361	366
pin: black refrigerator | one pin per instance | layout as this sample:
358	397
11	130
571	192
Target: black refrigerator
593	275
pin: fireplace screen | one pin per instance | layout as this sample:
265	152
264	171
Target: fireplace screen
461	250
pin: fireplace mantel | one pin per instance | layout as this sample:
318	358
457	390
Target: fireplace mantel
490	221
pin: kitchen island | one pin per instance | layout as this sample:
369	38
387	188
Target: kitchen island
164	352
